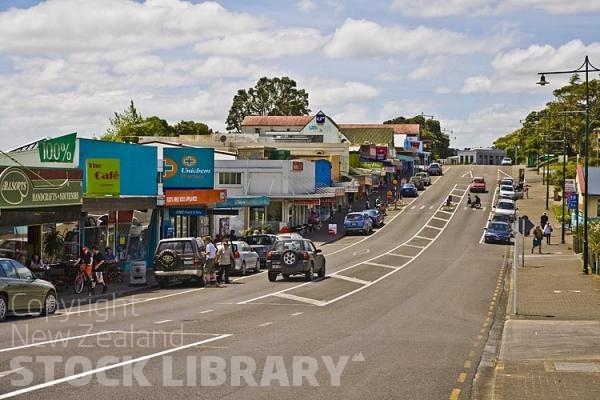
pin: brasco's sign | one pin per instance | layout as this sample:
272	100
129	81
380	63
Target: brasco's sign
20	188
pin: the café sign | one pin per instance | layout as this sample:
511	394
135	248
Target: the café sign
22	189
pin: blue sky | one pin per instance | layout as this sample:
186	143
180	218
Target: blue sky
69	65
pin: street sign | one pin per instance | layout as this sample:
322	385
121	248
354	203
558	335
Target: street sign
525	225
572	201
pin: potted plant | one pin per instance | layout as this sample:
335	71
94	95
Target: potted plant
54	245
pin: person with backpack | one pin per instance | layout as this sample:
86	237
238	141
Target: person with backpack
548	232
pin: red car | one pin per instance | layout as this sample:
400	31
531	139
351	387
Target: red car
478	185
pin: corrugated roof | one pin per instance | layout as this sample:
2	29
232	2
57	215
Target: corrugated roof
277	120
398	128
376	135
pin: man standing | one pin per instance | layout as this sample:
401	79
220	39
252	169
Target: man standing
97	265
210	275
543	220
225	259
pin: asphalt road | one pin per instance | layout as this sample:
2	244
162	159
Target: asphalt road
403	314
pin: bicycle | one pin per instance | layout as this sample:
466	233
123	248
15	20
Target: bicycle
82	279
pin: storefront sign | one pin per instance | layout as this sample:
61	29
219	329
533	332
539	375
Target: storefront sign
103	176
188	212
188	168
381	153
60	149
194	197
306	202
320	117
20	189
244	202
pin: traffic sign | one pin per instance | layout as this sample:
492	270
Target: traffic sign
573	201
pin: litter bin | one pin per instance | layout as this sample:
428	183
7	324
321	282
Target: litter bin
137	273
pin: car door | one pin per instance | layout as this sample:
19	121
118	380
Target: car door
316	256
33	294
12	285
249	255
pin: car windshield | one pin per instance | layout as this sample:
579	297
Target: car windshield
478	180
504	205
354	217
408	186
262	240
507	188
371	212
499	227
283	245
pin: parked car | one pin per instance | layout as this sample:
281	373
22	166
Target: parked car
507	181
418	182
507	192
245	257
21	293
435	169
376	217
358	222
506	208
424	177
409	190
294	257
179	259
497	232
261	244
478	185
506	161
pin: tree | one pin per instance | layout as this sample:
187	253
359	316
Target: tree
125	126
277	96
430	131
191	128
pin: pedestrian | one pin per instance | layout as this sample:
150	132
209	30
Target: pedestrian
543	219
225	260
548	232
232	235
469	201
537	239
85	265
210	275
97	268
367	204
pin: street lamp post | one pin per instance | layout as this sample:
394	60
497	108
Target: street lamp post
585	67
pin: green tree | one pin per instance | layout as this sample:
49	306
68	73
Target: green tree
276	96
431	133
125	126
192	128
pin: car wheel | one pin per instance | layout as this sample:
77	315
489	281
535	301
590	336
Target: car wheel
272	276
257	267
322	271
3	307
285	276
243	269
310	274
289	258
50	304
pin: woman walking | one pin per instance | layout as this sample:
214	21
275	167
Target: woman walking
537	239
548	232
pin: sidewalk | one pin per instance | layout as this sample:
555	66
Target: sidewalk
550	348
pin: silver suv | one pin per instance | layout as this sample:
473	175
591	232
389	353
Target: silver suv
179	259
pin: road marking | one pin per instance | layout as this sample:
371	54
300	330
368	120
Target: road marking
164	321
440	219
108	367
385	265
360	253
482	240
206	311
445	212
265	324
297	313
351	279
433	227
413	245
298	298
502	172
421	237
422	207
430	207
413	207
62	339
455	394
12	371
461	377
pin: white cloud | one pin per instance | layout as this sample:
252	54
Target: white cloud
364	38
306	6
403	108
285	42
429	68
441	8
331	93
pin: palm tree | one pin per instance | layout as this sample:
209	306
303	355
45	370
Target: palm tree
54	245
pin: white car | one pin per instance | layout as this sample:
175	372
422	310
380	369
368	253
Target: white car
507	192
506	161
507	181
506	208
245	257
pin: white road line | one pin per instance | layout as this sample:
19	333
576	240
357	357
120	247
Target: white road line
502	172
391	254
297	313
299	298
12	371
441	219
385	265
413	207
265	324
206	311
413	245
421	237
422	207
106	368
351	279
57	340
445	212
482	240
433	227
430	207
361	252
164	321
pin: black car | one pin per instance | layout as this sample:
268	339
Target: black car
262	244
435	169
409	190
179	259
294	257
376	216
498	232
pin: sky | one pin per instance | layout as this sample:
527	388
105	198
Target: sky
69	65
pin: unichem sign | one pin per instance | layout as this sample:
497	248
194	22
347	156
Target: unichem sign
19	190
103	176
